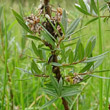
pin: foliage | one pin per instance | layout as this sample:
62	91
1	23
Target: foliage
60	88
33	48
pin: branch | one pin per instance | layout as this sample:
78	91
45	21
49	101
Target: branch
60	41
100	16
74	62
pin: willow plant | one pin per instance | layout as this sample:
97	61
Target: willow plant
62	68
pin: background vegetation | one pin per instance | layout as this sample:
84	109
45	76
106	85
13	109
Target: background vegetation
23	89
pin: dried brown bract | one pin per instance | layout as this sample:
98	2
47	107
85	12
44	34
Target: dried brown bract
33	23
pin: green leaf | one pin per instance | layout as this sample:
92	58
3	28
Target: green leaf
54	27
54	83
88	49
97	58
71	57
90	46
93	6
69	100
70	90
70	44
48	33
37	51
82	10
62	28
82	4
72	27
35	67
99	76
24	70
48	103
64	20
21	21
50	92
86	68
79	51
33	37
76	50
60	86
96	64
92	20
66	93
48	38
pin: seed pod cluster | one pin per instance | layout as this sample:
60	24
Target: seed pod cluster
33	21
74	79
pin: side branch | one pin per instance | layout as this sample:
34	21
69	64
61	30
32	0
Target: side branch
74	62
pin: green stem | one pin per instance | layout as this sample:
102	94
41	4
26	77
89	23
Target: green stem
107	95
20	82
6	54
100	51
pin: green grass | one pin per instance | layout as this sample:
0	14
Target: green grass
26	88
6	54
101	67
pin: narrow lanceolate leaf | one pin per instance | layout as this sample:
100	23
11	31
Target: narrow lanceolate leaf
88	49
60	86
71	57
93	6
33	37
62	28
76	50
86	68
35	49
82	4
82	10
48	38
92	20
50	92
54	83
96	64
90	46
72	27
97	58
99	76
64	20
35	67
69	100
81	52
48	103
21	21
49	34
66	93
